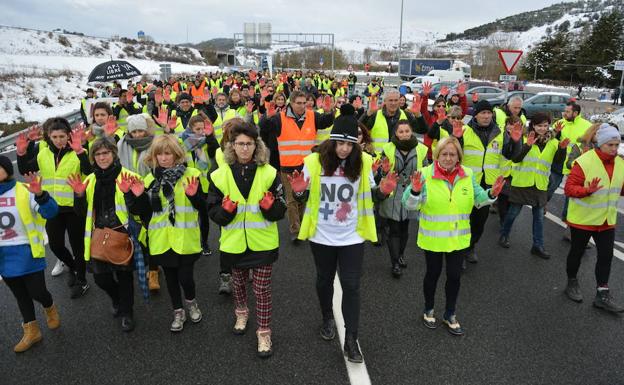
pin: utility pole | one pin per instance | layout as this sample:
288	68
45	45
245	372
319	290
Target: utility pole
535	74
401	32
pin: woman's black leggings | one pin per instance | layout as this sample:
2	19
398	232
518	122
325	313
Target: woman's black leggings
27	288
180	276
74	225
435	261
397	238
348	260
120	288
604	247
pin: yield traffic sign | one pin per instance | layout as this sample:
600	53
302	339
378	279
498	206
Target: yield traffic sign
509	58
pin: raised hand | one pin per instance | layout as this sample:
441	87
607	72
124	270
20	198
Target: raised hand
191	186
76	141
130	95
21	143
558	126
167	95
34	183
441	116
530	140
388	183
426	88
376	165
461	89
593	186
214	92
497	187
253	76
206	95
297	183
267	200
228	205
516	131
137	187
139	88
385	166
172	123
124	183
319	102
564	143
328	103
444	90
158	98
249	106
270	108
458	128
475	97
372	104
417	181
357	103
416	102
75	182
111	126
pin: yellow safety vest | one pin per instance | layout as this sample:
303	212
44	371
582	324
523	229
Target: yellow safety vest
323	135
218	124
534	169
34	224
249	228
54	179
601	206
219	157
572	130
120	208
366	218
501	118
482	160
373	90
379	132
444	220
183	237
122	122
421	154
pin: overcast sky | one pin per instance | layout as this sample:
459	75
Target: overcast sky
167	21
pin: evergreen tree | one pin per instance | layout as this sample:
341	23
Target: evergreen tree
551	56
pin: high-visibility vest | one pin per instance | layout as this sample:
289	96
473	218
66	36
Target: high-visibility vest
219	157
122	121
534	169
121	210
218	123
482	160
501	118
249	228
34	224
179	128
373	90
339	92
190	161
294	144
323	135
54	178
602	205
572	130
366	218
379	132
183	237
444	220
198	93
389	150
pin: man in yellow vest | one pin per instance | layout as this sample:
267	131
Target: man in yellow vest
123	108
84	114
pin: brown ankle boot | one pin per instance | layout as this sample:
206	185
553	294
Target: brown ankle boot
32	335
153	280
52	317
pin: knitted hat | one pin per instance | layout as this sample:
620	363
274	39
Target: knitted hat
345	126
185	96
482	105
606	133
7	165
136	122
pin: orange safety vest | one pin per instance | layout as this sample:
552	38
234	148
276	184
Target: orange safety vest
294	144
198	93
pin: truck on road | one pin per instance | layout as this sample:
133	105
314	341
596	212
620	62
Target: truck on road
409	68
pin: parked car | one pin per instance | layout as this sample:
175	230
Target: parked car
551	102
484	93
500	100
435	88
513	86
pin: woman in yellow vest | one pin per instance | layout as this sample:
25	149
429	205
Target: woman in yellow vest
104	201
529	176
444	194
338	219
246	199
594	186
171	202
404	154
24	209
56	158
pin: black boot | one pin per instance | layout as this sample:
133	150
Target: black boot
352	349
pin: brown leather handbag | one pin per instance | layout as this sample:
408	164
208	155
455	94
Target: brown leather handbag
108	245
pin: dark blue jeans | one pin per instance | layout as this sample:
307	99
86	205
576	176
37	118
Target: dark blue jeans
538	223
554	180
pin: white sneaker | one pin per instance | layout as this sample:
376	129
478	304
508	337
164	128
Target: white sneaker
59	268
193	309
179	317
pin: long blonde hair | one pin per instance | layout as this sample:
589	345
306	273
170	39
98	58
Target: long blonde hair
161	144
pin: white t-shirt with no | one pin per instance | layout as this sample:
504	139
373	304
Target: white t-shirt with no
337	214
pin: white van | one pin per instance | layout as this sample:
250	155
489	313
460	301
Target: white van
448	75
416	84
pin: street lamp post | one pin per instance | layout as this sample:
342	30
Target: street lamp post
401	32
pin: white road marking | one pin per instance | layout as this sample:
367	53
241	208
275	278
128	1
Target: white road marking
358	375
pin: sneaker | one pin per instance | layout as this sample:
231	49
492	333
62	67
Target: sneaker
225	283
206	252
453	326
59	268
328	329
472	256
179	318
79	289
429	319
240	327
265	349
402	262
352	349
127	324
71	279
193	309
540	252
605	301
503	241
573	290
396	270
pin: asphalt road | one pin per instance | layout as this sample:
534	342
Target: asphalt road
520	328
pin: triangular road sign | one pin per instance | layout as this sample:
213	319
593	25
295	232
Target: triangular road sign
509	58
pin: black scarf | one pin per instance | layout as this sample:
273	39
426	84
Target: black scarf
405	145
167	179
104	194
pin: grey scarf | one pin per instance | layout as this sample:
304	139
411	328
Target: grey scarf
166	178
127	146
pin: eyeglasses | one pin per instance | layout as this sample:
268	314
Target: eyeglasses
102	153
244	144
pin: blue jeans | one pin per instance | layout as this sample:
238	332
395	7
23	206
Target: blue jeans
538	223
554	180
